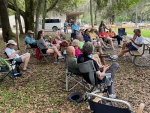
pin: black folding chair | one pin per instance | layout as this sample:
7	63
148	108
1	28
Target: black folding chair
17	64
101	107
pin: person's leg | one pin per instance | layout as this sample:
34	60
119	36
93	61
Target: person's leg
112	69
52	51
124	45
25	59
101	58
97	59
110	41
102	42
118	39
58	46
56	50
123	52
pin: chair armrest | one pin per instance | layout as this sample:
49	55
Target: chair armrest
8	59
110	99
106	74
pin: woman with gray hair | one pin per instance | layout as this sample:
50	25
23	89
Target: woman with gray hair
76	43
86	56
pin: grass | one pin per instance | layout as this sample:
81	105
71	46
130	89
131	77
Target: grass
145	32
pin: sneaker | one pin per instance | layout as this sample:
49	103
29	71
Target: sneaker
61	57
114	57
119	46
56	62
113	96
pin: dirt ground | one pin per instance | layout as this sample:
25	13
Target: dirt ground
44	92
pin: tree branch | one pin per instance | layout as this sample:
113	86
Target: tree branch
11	6
52	6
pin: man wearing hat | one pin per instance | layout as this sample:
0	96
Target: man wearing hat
30	40
11	53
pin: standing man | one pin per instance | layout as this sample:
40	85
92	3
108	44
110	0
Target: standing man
74	26
66	27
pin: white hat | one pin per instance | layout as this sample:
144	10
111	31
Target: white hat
11	42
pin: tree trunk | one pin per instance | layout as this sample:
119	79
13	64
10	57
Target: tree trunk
6	31
96	16
17	33
29	15
18	17
91	13
44	15
39	2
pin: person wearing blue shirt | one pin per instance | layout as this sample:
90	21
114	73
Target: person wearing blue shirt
30	40
74	26
86	36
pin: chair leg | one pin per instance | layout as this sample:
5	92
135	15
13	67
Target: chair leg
67	82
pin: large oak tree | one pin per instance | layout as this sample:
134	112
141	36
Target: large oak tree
6	31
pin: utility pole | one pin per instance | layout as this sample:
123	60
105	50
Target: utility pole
91	13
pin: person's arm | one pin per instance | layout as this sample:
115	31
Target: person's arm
44	43
140	45
27	39
106	27
105	68
13	54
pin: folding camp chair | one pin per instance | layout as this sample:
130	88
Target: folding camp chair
42	55
122	33
89	68
71	76
8	70
101	107
29	49
17	64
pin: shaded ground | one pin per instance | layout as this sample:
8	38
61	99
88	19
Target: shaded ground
45	91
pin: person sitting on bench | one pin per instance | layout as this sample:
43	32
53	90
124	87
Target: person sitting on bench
86	56
133	46
11	53
126	43
30	40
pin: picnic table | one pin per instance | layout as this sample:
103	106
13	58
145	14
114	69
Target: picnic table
137	54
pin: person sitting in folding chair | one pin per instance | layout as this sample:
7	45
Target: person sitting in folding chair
112	34
11	53
72	60
30	40
86	56
105	36
46	47
133	46
95	39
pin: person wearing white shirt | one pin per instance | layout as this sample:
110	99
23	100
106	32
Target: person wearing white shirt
11	53
134	45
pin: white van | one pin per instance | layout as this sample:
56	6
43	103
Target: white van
51	24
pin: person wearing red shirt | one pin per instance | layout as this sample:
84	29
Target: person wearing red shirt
105	36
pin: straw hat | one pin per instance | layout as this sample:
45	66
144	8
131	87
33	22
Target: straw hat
11	42
30	32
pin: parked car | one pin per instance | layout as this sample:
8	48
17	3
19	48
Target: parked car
51	24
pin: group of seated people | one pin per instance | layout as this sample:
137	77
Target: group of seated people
80	50
86	55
